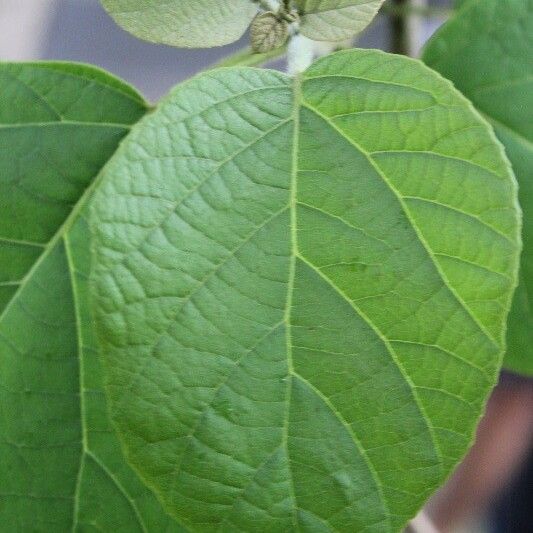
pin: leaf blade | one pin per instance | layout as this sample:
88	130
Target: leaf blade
60	124
334	20
190	23
287	300
499	84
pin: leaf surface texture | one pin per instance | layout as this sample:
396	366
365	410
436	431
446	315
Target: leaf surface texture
184	23
486	51
61	467
301	290
335	20
206	23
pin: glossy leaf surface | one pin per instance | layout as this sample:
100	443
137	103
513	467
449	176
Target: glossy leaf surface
486	51
301	290
61	467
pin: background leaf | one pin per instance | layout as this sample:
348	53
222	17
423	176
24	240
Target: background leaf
486	51
185	23
61	467
335	20
301	291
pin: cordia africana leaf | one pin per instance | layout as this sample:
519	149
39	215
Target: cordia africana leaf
300	289
61	467
335	20
486	51
185	23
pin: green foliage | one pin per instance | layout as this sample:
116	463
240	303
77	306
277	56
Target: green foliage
300	286
486	51
187	23
301	289
61	466
206	23
335	20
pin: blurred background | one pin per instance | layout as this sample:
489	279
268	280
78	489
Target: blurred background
80	30
492	491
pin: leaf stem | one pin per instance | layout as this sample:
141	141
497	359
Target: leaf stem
246	57
401	42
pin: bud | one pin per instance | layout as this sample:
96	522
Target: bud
268	32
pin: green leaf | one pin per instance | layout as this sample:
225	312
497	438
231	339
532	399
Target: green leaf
185	23
335	20
486	51
206	23
300	292
61	467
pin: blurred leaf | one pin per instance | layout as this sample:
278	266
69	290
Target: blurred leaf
185	23
335	20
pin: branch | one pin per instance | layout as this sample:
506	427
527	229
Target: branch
407	10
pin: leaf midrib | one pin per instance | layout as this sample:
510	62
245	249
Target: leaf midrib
86	451
295	255
293	188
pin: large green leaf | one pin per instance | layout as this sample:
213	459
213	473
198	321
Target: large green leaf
335	20
61	466
301	290
186	23
486	51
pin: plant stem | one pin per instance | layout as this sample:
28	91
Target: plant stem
397	9
400	31
246	57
